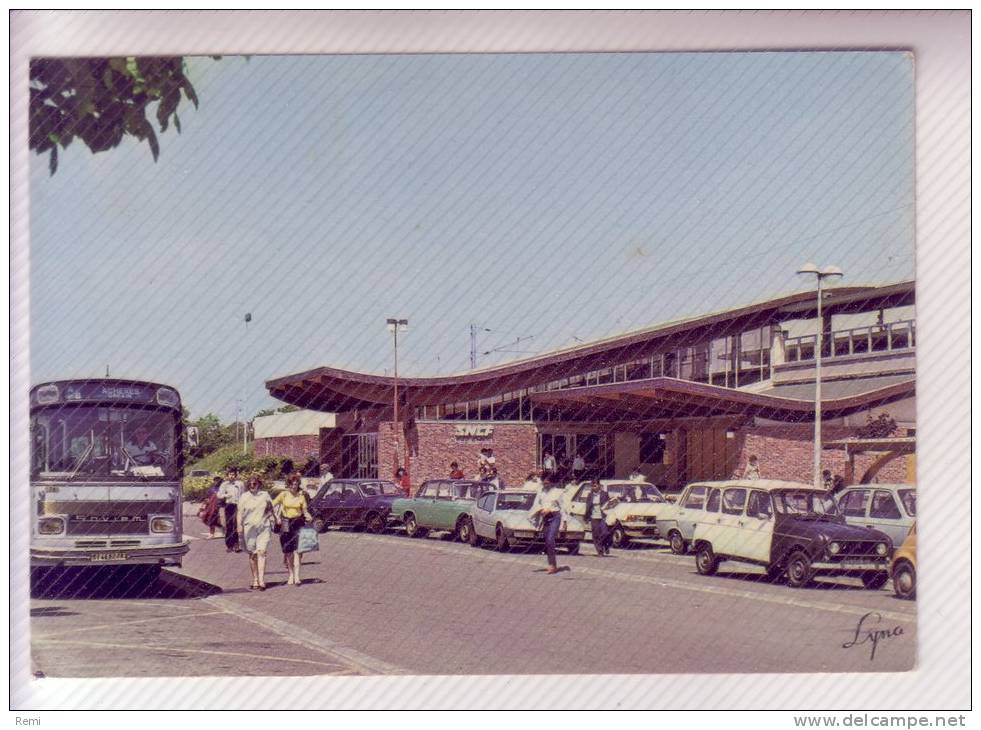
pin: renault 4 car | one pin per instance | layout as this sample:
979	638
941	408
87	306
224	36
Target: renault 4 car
890	508
634	511
439	505
504	519
790	529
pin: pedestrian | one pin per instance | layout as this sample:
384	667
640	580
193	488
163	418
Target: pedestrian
292	514
578	466
752	470
548	506
455	471
402	479
228	494
549	465
827	480
254	524
326	474
596	501
637	475
210	512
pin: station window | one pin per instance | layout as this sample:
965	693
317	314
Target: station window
652	447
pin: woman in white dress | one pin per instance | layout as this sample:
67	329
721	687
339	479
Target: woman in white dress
255	518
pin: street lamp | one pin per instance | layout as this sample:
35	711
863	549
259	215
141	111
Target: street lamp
819	275
395	326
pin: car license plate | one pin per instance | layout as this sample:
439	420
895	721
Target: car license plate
97	557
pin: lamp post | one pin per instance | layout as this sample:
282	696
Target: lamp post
820	275
395	326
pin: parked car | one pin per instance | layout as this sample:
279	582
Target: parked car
890	508
354	503
439	505
678	521
199	473
504	519
903	568
790	529
636	514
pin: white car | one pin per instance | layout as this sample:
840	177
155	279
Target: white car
504	519
887	507
637	512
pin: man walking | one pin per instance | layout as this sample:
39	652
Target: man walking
548	505
596	501
228	494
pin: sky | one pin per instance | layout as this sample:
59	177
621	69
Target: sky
547	198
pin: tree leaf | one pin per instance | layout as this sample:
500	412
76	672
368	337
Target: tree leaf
53	161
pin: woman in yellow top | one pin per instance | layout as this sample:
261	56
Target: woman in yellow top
291	515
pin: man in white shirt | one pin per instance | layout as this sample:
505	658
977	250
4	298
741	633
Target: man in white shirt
548	505
228	494
637	476
141	448
578	466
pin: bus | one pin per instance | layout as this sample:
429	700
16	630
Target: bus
107	458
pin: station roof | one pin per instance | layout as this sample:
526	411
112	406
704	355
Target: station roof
333	389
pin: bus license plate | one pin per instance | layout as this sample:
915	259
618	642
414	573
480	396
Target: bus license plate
96	557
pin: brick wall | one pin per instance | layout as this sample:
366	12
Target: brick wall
296	447
787	452
435	445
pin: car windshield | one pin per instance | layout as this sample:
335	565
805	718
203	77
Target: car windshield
804	503
908	498
384	488
635	492
519	501
69	442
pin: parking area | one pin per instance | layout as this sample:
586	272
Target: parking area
388	604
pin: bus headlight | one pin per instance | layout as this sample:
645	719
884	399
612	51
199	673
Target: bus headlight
881	548
51	525
834	548
162	524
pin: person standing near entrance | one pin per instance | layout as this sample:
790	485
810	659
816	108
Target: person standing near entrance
548	506
455	471
228	494
255	516
752	470
596	501
578	467
549	464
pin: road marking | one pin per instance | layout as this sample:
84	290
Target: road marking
763	597
152	647
116	624
298	635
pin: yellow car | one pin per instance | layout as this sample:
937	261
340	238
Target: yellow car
903	568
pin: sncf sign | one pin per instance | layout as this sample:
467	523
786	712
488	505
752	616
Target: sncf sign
473	430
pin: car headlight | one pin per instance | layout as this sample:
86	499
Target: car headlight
50	526
834	548
881	548
162	524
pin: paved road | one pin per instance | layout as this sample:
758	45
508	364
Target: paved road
387	604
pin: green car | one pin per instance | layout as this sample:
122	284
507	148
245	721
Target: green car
440	505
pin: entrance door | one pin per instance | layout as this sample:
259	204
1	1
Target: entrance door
709	454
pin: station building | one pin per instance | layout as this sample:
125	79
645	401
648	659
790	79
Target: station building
682	401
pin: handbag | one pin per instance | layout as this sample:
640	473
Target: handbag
308	540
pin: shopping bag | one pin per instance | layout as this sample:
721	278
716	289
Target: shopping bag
309	540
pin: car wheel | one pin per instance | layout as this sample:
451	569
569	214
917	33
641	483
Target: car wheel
412	528
904	580
374	523
799	570
464	530
706	562
320	524
475	539
678	544
618	537
874	580
573	548
503	544
774	573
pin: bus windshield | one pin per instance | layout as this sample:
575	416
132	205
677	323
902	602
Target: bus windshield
87	441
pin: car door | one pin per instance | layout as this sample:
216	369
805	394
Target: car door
756	528
484	514
708	524
886	515
854	505
691	509
442	514
732	522
349	504
577	505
